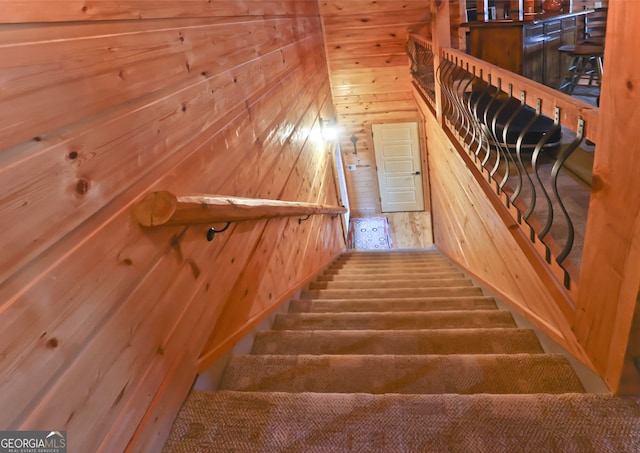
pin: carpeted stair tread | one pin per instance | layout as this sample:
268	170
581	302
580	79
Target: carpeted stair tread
392	305
388	356
390	276
394	321
384	283
418	374
415	266
315	422
382	258
391	292
440	341
389	254
393	255
414	272
391	263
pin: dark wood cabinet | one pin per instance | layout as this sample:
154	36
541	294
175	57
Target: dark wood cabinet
533	52
527	48
541	59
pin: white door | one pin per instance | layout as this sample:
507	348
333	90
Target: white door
397	150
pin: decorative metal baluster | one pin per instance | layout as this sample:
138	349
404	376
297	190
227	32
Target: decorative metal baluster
534	162
500	151
488	131
560	161
444	68
466	106
482	143
456	115
509	158
532	204
450	80
522	169
449	90
411	49
422	74
462	119
476	131
429	81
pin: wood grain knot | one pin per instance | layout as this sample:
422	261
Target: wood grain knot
52	343
82	187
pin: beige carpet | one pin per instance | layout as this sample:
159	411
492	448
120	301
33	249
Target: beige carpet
371	365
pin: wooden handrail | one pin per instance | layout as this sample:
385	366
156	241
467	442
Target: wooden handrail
165	208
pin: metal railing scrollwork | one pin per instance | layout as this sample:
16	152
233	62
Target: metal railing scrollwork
421	57
520	135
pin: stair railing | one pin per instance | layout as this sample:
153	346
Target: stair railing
421	57
519	134
164	208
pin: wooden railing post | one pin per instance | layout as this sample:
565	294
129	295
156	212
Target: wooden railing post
608	299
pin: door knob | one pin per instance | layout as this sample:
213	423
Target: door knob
417	173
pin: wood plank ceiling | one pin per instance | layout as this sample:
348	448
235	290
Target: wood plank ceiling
370	80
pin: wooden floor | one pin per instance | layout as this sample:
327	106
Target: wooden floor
409	230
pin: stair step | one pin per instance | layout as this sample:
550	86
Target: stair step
257	421
396	266
390	292
417	374
441	341
391	270
394	321
391	252
390	276
373	284
391	305
393	260
414	358
393	255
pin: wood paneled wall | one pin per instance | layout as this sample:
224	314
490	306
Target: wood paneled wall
370	79
104	324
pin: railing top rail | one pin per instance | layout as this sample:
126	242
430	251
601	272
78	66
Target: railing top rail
422	40
165	208
571	109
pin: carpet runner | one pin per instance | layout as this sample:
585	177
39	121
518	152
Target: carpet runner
393	362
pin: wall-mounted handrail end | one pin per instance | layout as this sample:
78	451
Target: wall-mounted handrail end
156	208
302	219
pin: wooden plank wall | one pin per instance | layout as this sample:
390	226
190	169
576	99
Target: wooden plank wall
370	79
104	324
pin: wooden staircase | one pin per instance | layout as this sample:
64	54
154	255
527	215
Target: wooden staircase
399	351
